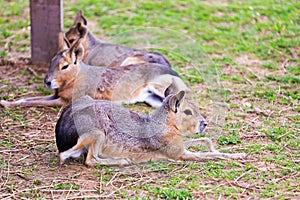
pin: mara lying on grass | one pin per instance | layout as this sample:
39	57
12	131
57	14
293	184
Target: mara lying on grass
71	79
114	135
100	53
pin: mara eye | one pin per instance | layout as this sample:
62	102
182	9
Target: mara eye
71	41
187	112
64	67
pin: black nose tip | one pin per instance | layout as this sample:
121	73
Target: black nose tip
47	83
202	126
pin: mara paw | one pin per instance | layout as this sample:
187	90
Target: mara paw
125	161
91	162
239	155
4	103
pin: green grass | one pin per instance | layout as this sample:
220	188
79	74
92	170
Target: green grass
241	53
63	186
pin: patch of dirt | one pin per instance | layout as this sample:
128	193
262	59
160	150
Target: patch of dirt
254	66
244	60
263	19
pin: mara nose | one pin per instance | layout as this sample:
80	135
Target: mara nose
202	126
47	83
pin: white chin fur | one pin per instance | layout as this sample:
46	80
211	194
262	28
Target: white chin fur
54	85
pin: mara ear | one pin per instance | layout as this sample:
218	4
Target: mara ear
82	30
63	43
171	89
76	52
176	100
168	91
80	18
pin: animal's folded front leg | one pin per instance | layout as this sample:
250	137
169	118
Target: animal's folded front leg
204	141
109	161
34	101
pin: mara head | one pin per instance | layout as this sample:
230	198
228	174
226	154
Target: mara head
188	116
64	66
78	29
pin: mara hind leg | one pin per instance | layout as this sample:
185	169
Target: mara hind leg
152	93
34	102
133	59
156	88
188	155
83	143
92	141
94	156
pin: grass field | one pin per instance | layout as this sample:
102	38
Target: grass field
241	58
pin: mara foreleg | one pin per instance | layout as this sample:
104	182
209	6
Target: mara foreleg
204	141
35	101
188	155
